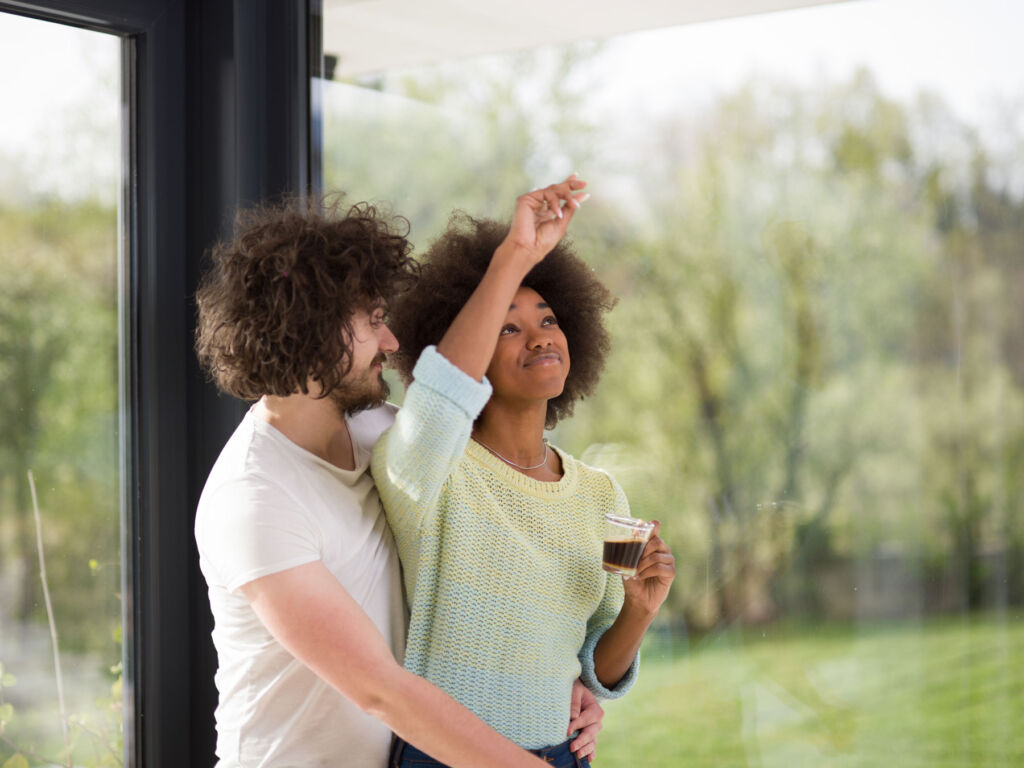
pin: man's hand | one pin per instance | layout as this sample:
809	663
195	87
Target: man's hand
586	716
309	612
541	219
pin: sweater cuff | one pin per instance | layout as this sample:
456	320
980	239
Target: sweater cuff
433	370
589	677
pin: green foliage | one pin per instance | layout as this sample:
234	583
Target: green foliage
934	692
439	143
814	353
96	731
58	409
59	416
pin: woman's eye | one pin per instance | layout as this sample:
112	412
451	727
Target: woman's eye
507	330
549	320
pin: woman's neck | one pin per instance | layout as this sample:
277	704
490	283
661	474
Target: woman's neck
516	436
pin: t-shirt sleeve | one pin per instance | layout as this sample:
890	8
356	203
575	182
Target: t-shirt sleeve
605	615
252	528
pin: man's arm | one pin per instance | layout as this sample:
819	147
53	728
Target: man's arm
318	622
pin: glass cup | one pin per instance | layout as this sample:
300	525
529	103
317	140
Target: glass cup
624	542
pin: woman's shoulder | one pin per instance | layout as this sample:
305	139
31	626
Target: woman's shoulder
588	475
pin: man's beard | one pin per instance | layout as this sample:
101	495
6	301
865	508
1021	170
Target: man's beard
368	391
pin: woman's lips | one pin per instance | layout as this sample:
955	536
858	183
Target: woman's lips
548	358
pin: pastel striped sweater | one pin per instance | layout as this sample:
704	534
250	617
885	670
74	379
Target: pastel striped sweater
502	572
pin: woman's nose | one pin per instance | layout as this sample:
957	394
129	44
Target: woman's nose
538	339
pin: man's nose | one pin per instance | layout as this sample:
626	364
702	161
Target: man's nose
388	342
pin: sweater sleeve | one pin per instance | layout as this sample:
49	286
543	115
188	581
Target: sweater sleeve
415	456
605	615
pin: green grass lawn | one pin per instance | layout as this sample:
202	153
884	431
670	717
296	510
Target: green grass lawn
947	692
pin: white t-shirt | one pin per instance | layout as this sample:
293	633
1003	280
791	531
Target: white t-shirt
267	506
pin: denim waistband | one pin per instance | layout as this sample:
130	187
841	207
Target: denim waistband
557	753
554	751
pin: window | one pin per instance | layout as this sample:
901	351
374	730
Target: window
60	408
812	220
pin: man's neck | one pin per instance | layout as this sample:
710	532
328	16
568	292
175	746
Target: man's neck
313	424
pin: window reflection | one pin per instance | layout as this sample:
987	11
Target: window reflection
59	172
817	384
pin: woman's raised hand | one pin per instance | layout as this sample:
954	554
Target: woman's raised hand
542	217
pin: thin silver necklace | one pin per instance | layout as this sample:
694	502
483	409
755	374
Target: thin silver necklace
512	463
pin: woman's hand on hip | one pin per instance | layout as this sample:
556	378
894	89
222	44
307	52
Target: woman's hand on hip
586	716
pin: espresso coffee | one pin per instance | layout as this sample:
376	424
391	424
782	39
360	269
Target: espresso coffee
622	555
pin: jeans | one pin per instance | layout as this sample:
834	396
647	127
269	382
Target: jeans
405	755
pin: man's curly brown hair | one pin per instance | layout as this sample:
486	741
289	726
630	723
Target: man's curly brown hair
275	308
452	268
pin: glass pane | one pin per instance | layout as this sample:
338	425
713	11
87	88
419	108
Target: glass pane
813	222
60	565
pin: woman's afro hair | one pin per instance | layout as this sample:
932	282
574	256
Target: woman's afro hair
452	268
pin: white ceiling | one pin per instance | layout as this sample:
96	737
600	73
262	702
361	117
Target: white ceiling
370	36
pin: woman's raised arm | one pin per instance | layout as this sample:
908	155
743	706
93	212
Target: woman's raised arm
540	220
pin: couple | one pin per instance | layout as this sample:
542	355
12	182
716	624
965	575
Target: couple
498	532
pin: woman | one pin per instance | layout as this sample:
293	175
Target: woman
499	533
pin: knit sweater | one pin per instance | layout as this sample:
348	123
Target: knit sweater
502	572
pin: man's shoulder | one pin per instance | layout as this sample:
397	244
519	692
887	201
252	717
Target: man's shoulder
251	466
367	426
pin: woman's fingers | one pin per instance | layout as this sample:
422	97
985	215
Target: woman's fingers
563	197
576	702
554	202
654	544
587	752
657	556
656	564
586	742
659	565
542	216
588	717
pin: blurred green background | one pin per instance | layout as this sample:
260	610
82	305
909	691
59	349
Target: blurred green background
816	384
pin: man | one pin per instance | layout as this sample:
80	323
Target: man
302	572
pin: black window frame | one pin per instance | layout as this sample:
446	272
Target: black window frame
217	97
